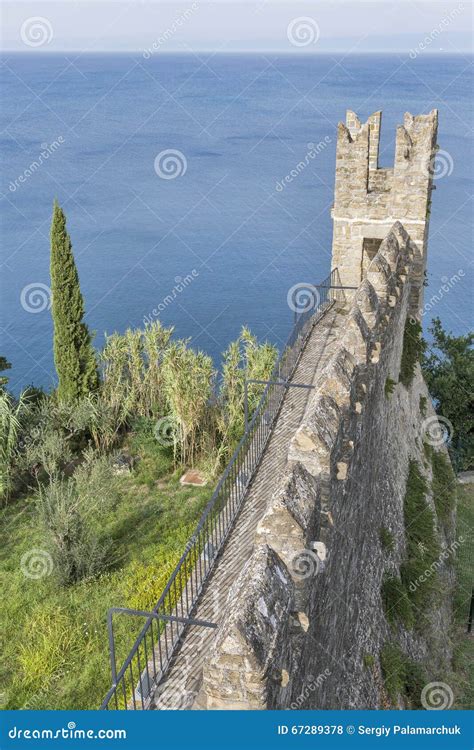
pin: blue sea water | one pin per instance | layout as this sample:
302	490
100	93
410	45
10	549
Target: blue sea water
235	240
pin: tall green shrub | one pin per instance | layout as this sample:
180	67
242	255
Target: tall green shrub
244	359
131	371
188	380
70	520
10	422
74	356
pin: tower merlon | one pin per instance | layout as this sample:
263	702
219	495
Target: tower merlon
369	199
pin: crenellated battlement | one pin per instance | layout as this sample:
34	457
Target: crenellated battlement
381	297
369	199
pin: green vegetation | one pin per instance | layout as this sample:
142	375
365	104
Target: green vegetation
11	413
73	353
244	358
369	661
386	539
55	637
4	365
423	404
402	676
146	374
389	387
448	368
392	663
187	385
413	347
405	678
443	485
405	598
70	518
396	602
463	660
422	546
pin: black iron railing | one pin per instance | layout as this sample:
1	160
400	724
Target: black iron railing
146	665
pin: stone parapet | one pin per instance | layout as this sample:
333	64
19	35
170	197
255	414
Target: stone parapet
367	316
248	662
256	654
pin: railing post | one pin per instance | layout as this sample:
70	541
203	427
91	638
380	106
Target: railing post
113	663
246	405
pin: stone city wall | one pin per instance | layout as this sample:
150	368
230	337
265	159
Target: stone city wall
307	606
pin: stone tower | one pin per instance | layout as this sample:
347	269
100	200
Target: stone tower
368	199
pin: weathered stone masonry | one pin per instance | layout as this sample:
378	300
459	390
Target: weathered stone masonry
306	608
368	199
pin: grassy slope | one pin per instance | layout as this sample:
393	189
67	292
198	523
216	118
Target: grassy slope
54	641
464	650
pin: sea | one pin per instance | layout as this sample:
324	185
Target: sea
178	175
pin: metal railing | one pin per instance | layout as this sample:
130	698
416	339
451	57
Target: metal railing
147	663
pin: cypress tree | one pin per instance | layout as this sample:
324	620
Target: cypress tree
74	355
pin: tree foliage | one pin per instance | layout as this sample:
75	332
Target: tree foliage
74	355
448	367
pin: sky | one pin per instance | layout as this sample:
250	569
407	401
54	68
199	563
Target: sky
249	25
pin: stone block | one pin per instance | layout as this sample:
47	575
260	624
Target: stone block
252	631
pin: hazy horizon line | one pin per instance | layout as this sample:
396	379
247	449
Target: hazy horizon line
294	53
